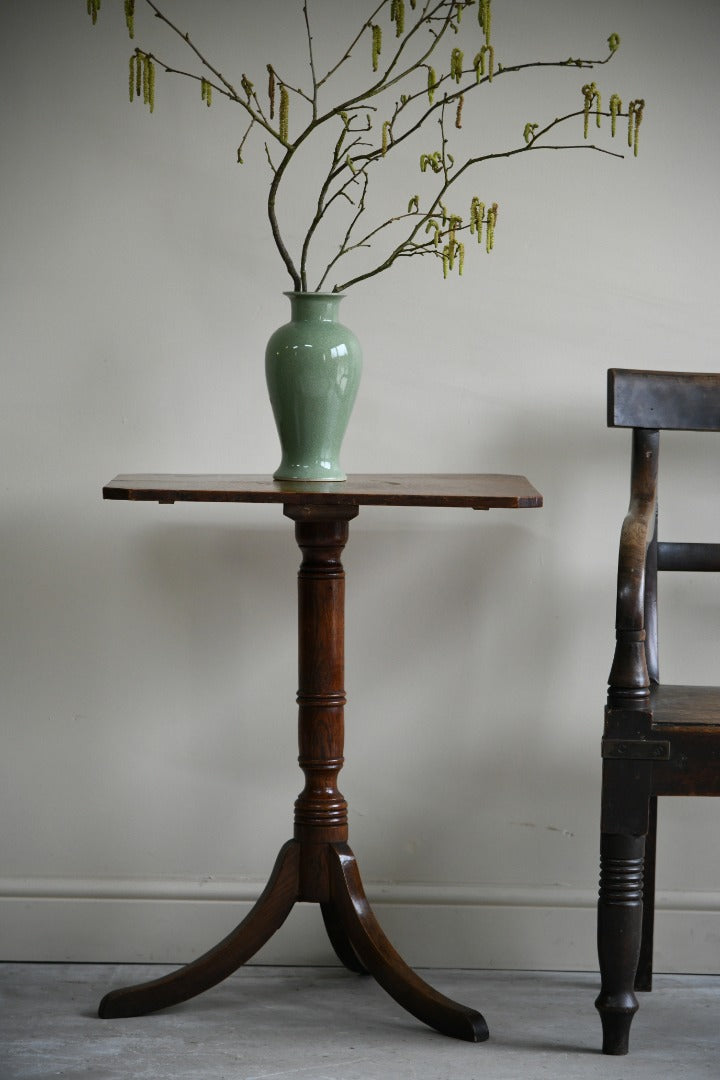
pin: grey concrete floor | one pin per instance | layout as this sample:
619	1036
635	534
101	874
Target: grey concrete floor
269	1023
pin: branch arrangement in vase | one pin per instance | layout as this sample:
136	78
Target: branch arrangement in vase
427	62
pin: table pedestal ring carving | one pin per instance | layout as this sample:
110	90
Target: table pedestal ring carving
317	865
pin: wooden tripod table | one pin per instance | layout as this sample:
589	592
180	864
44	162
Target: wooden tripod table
317	865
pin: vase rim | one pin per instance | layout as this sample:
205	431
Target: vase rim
312	292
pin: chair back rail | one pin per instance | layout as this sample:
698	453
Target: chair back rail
697	557
669	400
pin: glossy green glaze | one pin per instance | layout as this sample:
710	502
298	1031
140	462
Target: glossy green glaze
312	366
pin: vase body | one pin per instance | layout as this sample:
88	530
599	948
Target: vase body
312	367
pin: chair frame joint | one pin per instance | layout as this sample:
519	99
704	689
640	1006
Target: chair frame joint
636	749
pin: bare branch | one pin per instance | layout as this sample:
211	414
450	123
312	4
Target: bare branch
344	244
353	160
403	248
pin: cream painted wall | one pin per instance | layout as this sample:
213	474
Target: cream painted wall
147	660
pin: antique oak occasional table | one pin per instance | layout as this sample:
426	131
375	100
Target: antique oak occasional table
317	865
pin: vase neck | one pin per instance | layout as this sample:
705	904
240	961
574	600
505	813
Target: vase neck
314	306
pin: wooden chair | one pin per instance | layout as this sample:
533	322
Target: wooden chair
658	739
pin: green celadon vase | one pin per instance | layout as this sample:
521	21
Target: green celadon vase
312	367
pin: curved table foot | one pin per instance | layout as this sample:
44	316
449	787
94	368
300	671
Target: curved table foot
265	917
340	941
383	962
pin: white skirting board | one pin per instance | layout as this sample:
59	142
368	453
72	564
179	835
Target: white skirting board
464	926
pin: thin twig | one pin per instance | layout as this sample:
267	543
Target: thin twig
348	52
311	59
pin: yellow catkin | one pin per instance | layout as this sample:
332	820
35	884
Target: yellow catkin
458	112
590	93
93	6
490	229
456	65
132	77
477	215
433	160
397	15
479	63
414	205
461	258
615	108
385	137
149	76
376	45
130	17
485	18
433	224
206	92
284	112
432	80
635	115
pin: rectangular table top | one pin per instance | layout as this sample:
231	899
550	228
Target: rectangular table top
477	491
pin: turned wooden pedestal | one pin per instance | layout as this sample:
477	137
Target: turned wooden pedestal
316	865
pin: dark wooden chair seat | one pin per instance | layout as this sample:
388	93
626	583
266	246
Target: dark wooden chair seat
658	739
678	706
688	717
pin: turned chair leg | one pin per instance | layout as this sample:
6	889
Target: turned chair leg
643	978
620	911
